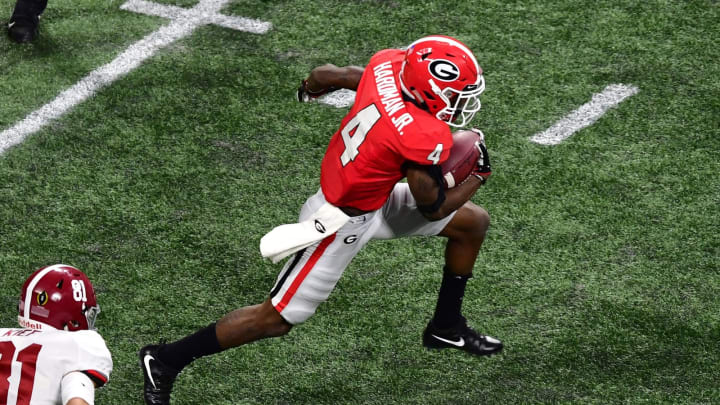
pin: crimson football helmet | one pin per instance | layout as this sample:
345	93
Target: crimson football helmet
58	297
443	74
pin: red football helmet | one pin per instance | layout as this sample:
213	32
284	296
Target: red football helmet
58	297
442	73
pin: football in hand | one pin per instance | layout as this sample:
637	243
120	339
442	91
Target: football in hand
463	158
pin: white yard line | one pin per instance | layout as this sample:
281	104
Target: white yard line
184	22
586	115
206	12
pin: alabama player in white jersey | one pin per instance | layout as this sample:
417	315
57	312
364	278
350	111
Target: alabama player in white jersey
56	357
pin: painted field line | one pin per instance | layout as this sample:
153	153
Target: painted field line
184	22
338	99
207	14
586	115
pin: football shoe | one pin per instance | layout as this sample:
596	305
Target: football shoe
159	378
23	29
461	337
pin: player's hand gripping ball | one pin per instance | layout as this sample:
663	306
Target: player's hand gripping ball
468	155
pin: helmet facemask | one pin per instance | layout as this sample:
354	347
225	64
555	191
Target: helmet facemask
91	314
460	106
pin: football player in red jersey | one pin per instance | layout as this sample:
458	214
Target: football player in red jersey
25	19
56	357
399	127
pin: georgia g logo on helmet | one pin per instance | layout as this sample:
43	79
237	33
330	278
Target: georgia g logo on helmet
444	70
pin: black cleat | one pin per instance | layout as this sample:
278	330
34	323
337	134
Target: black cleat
159	378
23	29
461	337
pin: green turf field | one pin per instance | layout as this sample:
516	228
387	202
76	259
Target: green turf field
601	270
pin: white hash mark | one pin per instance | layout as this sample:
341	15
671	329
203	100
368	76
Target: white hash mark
338	99
586	115
583	117
184	22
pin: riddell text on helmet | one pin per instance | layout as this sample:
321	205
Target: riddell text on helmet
26	323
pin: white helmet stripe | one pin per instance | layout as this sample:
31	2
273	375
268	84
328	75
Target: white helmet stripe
453	43
31	287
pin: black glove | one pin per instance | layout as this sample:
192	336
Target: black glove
482	169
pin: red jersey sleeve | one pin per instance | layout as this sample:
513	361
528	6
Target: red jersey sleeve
425	142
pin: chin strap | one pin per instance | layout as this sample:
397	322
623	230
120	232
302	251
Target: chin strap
417	104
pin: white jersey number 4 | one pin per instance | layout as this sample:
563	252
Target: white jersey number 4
354	133
434	156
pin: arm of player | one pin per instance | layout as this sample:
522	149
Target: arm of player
77	389
428	193
328	78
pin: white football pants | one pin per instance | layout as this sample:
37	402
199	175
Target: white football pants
311	274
